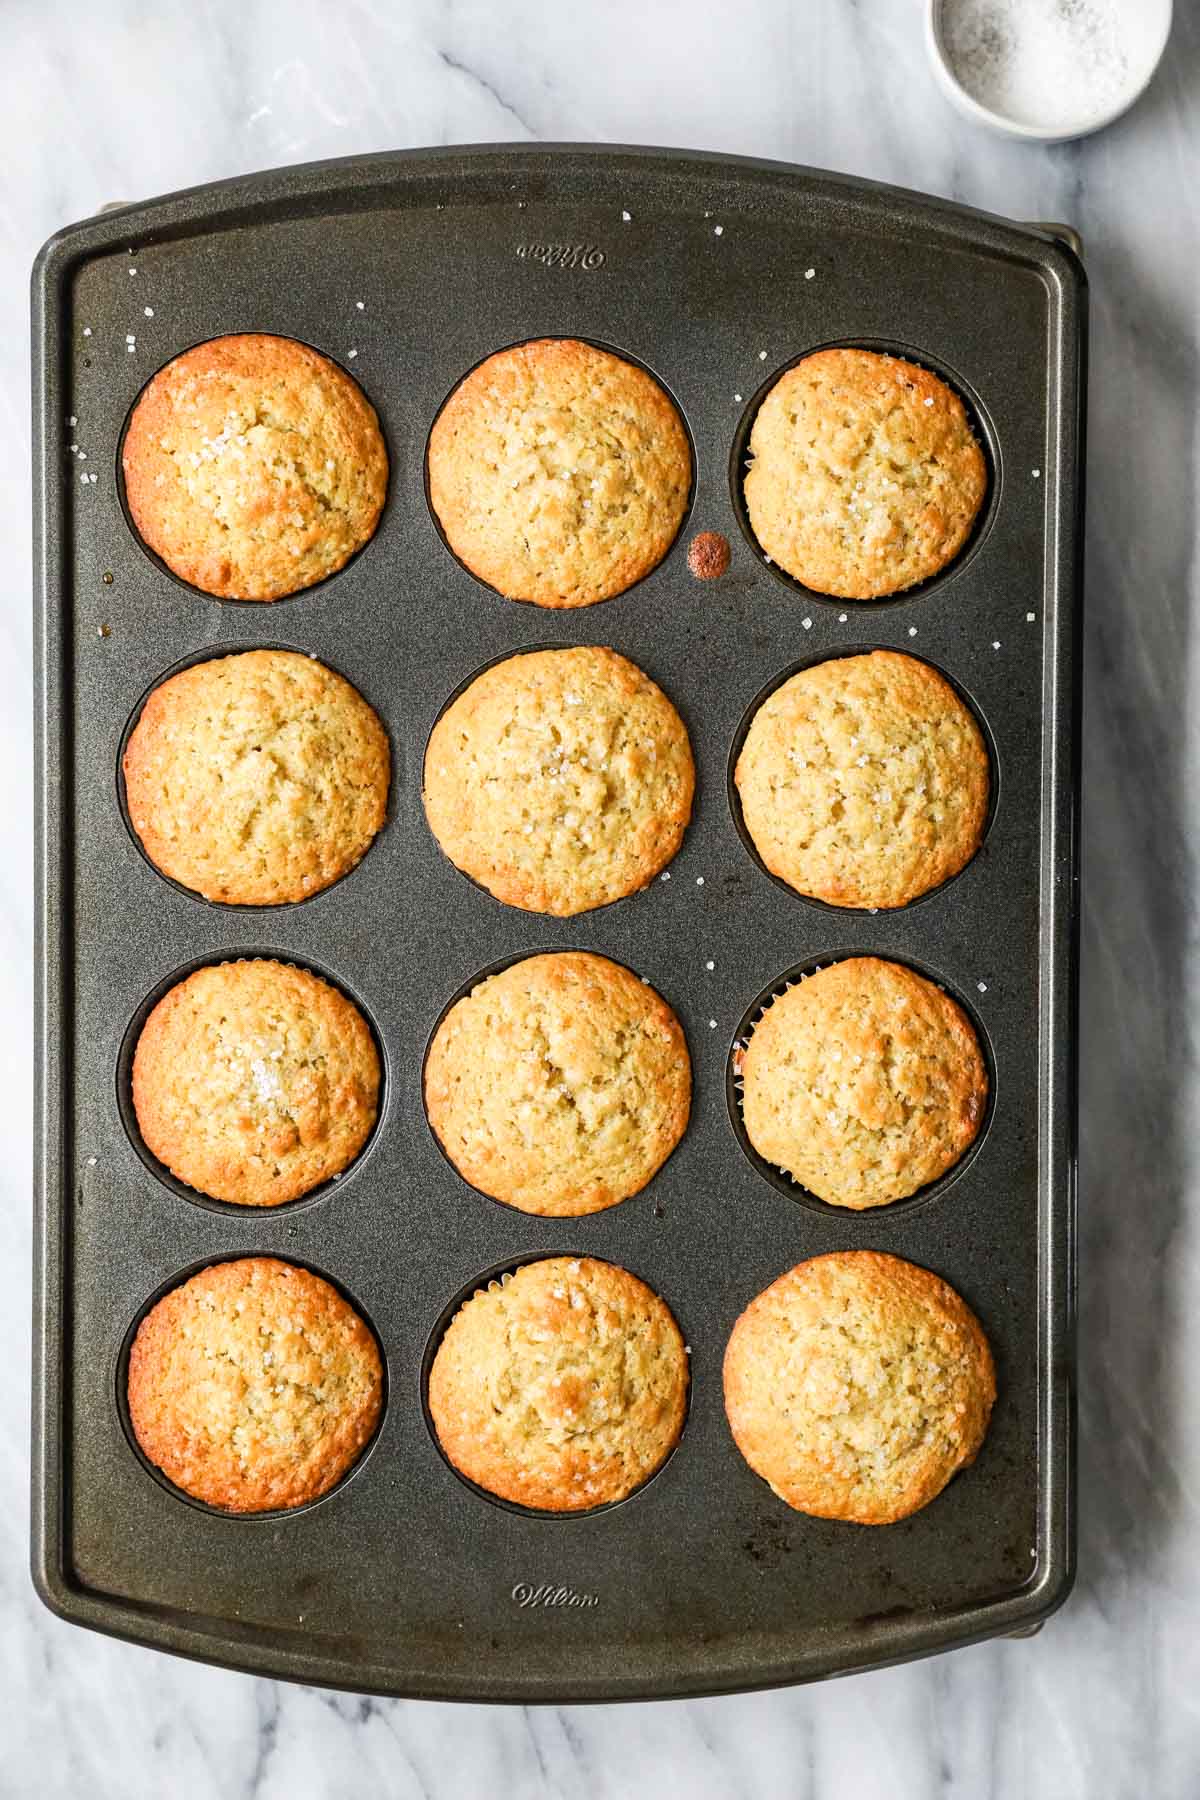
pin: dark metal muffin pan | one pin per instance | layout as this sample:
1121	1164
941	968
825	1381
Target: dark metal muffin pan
403	1580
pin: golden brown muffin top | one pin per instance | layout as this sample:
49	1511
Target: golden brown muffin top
254	1385
864	780
258	778
865	476
559	1085
560	1387
254	466
863	1082
857	1384
560	780
254	1082
559	472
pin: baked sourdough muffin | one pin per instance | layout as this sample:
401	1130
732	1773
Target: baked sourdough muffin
865	476
254	1385
561	1387
864	780
258	778
863	1082
559	473
254	1082
254	467
857	1384
560	780
559	1085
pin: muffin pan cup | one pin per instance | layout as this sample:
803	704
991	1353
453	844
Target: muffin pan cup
716	274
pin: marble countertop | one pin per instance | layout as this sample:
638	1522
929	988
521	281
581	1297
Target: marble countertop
120	101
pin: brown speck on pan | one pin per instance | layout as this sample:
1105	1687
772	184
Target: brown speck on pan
708	555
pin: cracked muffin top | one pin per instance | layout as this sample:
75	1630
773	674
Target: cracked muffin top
864	780
254	1385
857	1384
254	467
562	1386
865	476
863	1082
559	1085
560	780
258	778
254	1082
559	473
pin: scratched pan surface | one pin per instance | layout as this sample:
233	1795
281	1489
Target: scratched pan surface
404	1580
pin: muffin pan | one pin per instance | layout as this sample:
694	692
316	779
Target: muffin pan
716	274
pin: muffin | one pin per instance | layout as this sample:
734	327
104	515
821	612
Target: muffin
254	467
865	475
561	1387
254	1385
560	780
560	1085
864	780
254	1082
857	1384
864	1082
256	779
559	473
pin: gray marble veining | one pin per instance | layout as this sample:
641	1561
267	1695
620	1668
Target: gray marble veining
118	100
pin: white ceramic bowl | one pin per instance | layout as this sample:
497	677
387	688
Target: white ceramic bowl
1149	26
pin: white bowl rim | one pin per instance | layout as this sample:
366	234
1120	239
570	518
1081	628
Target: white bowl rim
1016	128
